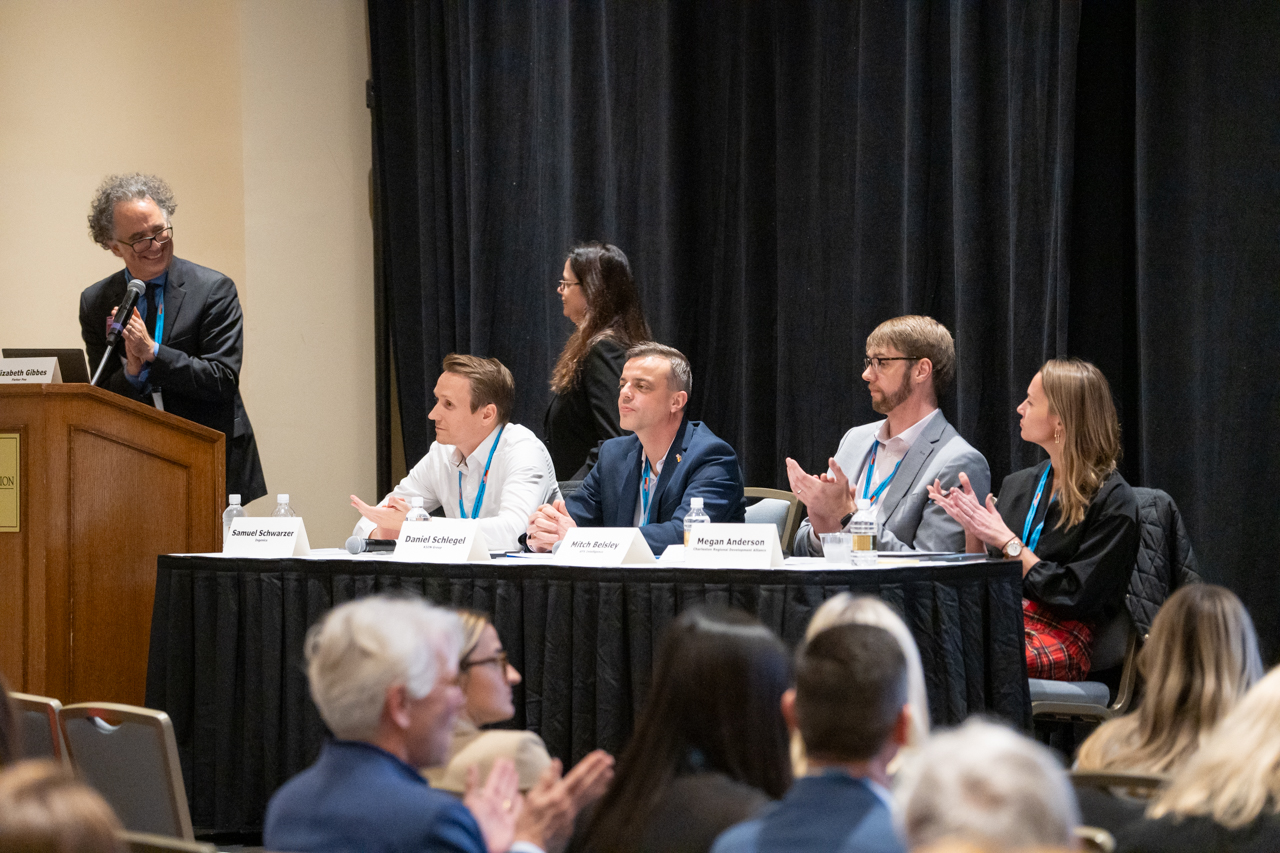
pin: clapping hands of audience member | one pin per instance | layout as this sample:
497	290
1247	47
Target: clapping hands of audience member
388	519
547	526
552	805
496	805
980	520
827	496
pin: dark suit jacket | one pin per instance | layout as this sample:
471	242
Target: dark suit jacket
832	812
197	367
1201	834
587	414
698	465
357	797
694	809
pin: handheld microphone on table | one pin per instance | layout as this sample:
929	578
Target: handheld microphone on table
360	545
115	331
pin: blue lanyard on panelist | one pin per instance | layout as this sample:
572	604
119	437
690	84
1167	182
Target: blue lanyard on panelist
871	469
644	492
484	481
1031	514
159	315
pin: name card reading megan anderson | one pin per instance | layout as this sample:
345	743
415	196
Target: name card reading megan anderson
604	546
441	540
733	546
267	537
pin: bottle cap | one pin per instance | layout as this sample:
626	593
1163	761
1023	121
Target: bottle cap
282	499
415	501
695	503
234	500
864	503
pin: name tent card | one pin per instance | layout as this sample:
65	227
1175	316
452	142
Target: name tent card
267	537
38	371
441	540
604	546
733	546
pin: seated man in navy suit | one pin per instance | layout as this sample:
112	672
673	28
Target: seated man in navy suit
384	676
850	707
648	479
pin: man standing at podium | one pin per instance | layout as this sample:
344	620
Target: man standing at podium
183	344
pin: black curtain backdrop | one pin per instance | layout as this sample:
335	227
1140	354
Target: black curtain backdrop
1046	178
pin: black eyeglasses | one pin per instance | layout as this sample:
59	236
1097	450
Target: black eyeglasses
878	361
164	235
565	285
500	659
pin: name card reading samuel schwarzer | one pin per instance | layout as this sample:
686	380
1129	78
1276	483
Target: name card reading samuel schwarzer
441	540
604	546
37	371
733	546
267	537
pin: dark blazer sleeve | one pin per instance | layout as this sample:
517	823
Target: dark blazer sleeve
601	370
454	830
585	505
1085	584
96	303
201	358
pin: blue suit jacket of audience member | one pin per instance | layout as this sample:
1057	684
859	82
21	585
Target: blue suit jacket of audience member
357	797
698	465
831	812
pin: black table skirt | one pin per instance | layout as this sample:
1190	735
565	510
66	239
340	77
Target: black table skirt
226	662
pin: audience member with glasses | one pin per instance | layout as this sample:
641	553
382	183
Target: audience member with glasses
184	342
889	463
600	297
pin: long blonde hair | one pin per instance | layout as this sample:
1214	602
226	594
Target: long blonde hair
1201	658
843	609
1235	776
1079	395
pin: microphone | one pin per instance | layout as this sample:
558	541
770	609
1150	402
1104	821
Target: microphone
136	289
358	545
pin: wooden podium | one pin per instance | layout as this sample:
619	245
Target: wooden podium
106	485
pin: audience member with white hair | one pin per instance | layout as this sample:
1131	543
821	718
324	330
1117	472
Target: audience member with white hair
843	609
1226	797
384	675
983	783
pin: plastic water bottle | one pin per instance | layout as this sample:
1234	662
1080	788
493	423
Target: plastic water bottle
416	512
863	528
696	515
231	513
282	510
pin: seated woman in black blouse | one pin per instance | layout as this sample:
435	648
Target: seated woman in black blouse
1072	521
600	297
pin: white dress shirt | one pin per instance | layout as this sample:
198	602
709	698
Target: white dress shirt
521	479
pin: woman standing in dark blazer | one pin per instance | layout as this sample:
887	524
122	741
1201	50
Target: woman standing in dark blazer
1072	520
600	297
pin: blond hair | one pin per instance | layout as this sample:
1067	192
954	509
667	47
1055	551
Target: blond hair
1079	395
1235	775
1201	658
918	336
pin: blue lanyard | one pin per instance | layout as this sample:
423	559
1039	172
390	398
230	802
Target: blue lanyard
1031	514
159	315
871	468
644	493
484	481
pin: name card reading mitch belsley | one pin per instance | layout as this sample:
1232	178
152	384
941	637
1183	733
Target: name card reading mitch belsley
267	537
734	546
604	546
442	540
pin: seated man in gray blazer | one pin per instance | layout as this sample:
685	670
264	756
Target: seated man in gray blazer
891	461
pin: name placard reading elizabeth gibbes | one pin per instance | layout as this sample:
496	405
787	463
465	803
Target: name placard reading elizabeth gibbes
441	540
733	546
604	546
38	371
267	537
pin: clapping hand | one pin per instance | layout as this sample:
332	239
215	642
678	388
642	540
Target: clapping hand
548	525
981	520
827	496
497	804
388	519
553	803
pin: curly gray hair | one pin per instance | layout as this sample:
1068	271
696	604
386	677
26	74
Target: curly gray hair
117	188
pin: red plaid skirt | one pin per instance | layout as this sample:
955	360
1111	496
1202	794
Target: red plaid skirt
1057	649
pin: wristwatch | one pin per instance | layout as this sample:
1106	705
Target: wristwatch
1012	548
844	522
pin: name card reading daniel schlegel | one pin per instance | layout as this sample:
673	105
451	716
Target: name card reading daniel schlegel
442	540
267	537
733	546
604	546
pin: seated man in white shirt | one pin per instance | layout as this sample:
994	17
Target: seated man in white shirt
892	462
480	465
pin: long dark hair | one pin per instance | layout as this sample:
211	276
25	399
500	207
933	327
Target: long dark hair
713	705
613	308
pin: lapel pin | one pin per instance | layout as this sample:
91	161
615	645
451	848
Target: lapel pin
677	457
